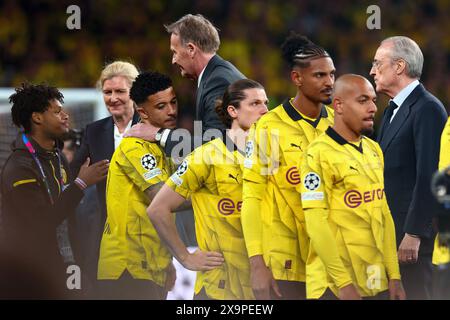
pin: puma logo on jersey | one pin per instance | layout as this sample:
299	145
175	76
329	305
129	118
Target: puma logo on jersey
233	177
352	168
296	146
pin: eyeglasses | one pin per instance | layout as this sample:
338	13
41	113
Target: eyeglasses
377	64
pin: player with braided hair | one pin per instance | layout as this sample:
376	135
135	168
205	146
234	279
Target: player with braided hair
272	219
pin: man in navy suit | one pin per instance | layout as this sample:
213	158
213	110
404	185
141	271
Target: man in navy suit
409	137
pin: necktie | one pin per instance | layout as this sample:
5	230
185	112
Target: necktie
387	117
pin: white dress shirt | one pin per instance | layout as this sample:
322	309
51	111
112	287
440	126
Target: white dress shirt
118	136
402	95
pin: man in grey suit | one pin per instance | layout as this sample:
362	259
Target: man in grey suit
194	42
409	137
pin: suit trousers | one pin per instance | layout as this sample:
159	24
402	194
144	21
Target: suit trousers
417	278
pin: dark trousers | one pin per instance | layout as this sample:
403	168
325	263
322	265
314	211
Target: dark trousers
417	278
128	288
441	282
329	295
290	290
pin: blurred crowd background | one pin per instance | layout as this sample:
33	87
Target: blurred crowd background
36	45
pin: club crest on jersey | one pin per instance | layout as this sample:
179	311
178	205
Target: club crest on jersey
148	161
312	181
292	176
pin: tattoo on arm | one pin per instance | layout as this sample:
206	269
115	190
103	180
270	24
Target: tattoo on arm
153	190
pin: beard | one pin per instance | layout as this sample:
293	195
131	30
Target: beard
327	101
368	132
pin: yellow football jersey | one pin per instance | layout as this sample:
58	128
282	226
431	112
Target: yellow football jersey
441	255
212	176
347	216
130	242
272	217
444	157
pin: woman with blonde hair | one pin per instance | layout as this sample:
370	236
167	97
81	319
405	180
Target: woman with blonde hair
101	138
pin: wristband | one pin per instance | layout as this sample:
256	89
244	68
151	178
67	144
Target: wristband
80	183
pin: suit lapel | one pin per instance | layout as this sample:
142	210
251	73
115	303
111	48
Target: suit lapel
209	68
108	137
382	132
400	117
197	100
135	118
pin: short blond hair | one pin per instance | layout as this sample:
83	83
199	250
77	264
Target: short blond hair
118	68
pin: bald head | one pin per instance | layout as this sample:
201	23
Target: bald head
354	104
349	83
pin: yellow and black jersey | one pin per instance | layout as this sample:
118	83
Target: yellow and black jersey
212	176
441	255
272	218
444	157
347	217
130	242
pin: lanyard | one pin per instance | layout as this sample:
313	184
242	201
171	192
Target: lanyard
41	169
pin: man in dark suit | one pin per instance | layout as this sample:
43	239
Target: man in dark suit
99	142
194	42
409	137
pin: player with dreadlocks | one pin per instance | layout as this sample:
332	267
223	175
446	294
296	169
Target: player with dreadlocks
272	218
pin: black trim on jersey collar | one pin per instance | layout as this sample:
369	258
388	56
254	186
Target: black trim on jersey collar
339	139
296	116
231	146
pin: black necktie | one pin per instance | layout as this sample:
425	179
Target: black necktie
387	117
